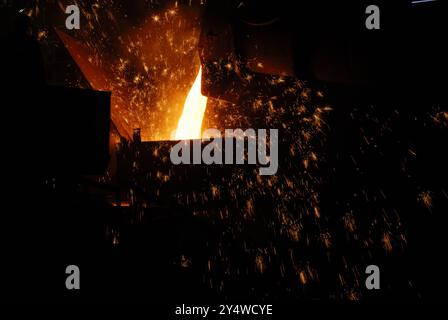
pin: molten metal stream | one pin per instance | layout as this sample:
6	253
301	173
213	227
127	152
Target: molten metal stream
190	123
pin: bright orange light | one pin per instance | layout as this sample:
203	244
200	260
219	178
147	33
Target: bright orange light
189	126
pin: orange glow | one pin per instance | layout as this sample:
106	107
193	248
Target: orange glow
190	122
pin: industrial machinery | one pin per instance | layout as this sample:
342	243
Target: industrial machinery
324	42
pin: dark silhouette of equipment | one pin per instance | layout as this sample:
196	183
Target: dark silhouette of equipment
47	130
21	59
52	138
57	131
326	42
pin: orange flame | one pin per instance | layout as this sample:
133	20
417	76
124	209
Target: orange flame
189	125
